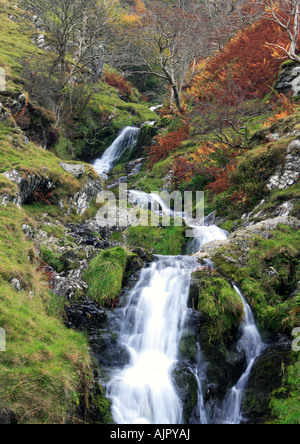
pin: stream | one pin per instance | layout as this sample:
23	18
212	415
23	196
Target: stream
153	319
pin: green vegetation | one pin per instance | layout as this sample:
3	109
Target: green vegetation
106	274
46	369
285	401
220	308
167	241
268	281
220	314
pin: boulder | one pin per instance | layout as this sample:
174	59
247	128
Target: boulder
76	170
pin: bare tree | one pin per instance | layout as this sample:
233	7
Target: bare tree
286	13
166	41
229	118
75	29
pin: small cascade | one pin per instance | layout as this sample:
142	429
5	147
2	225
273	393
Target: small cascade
125	141
143	392
250	343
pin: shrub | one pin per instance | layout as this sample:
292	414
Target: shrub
118	82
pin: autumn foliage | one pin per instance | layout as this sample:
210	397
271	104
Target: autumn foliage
167	144
246	61
118	82
282	106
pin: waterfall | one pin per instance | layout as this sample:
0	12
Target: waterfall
250	343
125	141
153	321
143	392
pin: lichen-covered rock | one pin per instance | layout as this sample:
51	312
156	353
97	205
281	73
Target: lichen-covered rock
67	287
288	174
76	170
81	201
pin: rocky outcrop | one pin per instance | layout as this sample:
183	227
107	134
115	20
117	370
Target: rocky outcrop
81	201
30	186
241	237
85	315
34	187
289	80
288	174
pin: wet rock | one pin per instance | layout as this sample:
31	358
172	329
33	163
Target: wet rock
108	351
143	254
187	388
266	376
188	347
85	315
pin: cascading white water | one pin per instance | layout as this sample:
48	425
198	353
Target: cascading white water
143	392
126	140
149	201
251	343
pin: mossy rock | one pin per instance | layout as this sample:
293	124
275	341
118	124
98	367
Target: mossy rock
188	347
220	315
106	274
266	376
168	241
99	411
187	388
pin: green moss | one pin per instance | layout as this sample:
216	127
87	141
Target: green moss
52	259
105	275
188	347
220	308
285	402
167	241
270	276
220	314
